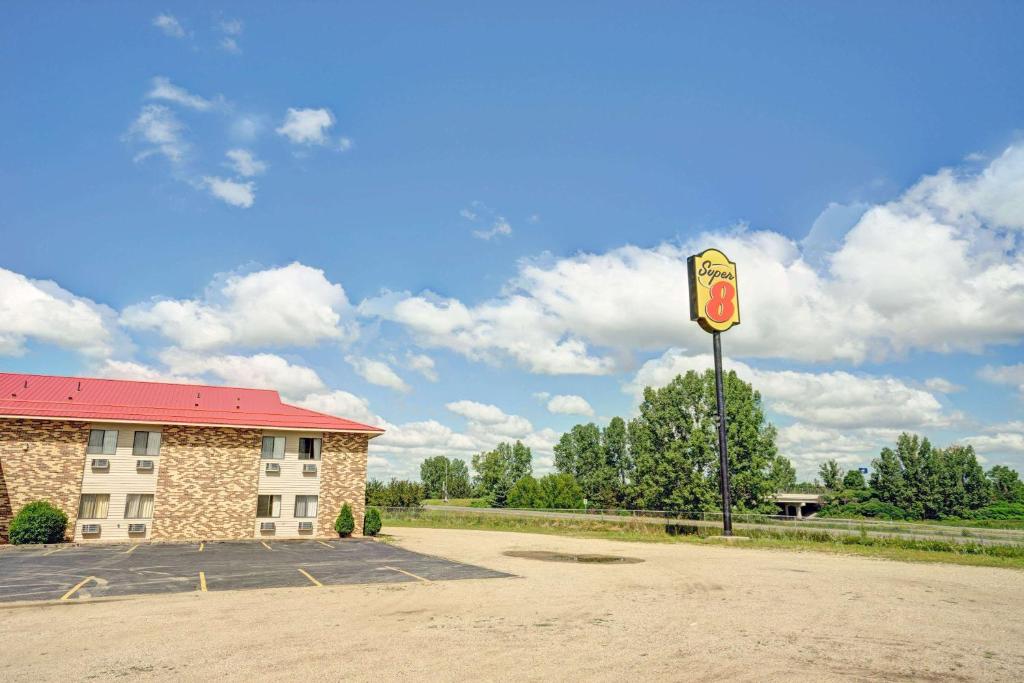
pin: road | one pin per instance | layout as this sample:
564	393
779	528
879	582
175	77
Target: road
922	532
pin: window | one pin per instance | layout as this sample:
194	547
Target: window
94	506
305	506
138	506
146	443
309	449
273	448
102	441
268	506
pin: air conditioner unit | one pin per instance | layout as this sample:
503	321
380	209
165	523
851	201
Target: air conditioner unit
100	464
305	526
90	528
144	465
136	528
273	467
267	526
309	468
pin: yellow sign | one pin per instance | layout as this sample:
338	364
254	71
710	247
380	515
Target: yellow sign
714	292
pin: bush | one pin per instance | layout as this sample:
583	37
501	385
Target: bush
397	493
870	508
371	523
525	493
38	522
998	511
345	523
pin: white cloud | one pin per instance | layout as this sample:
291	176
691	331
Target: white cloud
343	404
1011	375
245	162
41	311
163	89
127	369
422	364
378	372
294	305
260	371
156	125
307	126
942	386
232	27
247	127
233	192
345	144
500	227
940	269
169	25
490	420
230	45
570	405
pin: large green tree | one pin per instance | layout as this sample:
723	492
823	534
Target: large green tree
673	445
1005	484
783	474
458	479
497	470
433	474
595	458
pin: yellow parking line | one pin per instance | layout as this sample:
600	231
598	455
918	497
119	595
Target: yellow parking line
309	576
402	571
77	586
265	545
132	549
51	552
201	545
326	545
202	582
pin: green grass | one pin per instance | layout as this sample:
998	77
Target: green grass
458	502
890	548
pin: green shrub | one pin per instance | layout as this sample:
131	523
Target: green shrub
38	522
345	523
525	493
371	523
998	511
869	508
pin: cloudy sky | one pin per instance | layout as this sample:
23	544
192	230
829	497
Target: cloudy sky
468	227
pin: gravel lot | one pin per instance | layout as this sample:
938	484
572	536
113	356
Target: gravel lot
686	612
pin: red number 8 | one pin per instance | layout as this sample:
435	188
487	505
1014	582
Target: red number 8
720	306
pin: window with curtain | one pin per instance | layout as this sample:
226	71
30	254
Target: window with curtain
268	506
93	506
273	448
102	441
138	506
305	506
146	443
309	449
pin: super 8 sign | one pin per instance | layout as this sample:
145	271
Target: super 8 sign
714	292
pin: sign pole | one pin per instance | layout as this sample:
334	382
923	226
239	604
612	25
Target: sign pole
723	452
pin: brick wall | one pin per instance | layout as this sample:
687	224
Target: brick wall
41	460
342	480
206	487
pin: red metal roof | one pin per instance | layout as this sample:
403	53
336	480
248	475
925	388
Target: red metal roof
113	400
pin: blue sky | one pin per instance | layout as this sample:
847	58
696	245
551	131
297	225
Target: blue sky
470	224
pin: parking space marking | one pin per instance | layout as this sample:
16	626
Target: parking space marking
77	586
309	576
326	545
201	546
51	552
202	582
131	550
402	571
264	544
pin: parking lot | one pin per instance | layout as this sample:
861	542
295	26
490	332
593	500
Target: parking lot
84	572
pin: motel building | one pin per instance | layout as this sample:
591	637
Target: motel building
133	461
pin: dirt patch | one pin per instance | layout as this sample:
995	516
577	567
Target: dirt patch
583	558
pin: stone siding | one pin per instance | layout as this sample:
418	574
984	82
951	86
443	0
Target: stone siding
41	460
206	488
342	480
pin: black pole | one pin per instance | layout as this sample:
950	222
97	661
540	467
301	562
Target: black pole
723	452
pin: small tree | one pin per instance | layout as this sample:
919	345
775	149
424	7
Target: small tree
38	522
525	493
345	523
831	474
854	480
371	523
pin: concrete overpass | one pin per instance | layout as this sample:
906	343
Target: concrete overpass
799	505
